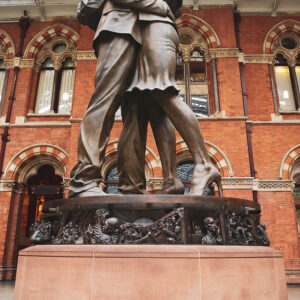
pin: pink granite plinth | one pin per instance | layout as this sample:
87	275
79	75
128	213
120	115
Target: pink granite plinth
150	272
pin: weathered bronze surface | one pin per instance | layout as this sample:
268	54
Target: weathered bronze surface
151	219
136	43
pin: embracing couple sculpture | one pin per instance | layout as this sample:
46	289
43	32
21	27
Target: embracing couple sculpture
136	43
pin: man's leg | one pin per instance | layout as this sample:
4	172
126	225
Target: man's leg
132	146
136	111
115	58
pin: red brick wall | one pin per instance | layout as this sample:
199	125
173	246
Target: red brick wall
270	141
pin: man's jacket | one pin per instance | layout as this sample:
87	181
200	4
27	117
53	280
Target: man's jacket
123	16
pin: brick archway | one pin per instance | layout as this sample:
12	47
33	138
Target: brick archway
26	156
288	162
199	26
153	165
45	36
7	42
278	30
215	154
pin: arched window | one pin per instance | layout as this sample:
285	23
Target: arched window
185	174
111	181
2	77
3	83
287	72
284	84
45	93
191	74
296	180
56	82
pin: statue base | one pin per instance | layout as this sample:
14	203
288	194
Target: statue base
151	219
150	272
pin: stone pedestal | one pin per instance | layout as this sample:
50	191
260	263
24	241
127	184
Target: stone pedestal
150	272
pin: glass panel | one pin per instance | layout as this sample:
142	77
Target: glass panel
197	67
48	63
66	91
45	91
68	63
298	75
185	174
179	75
284	88
298	220
59	48
2	79
2	65
118	114
111	180
200	105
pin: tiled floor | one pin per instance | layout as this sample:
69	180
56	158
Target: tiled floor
7	291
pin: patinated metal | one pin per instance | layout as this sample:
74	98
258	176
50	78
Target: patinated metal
151	219
136	44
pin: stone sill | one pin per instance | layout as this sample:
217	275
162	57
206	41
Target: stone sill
292	112
30	114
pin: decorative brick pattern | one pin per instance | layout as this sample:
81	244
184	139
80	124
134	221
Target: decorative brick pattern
8	44
27	155
201	26
288	162
46	35
278	30
215	154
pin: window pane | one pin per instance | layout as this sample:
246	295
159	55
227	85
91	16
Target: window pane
45	91
298	75
185	172
111	180
200	105
298	220
66	91
179	76
197	67
284	88
118	114
59	48
2	79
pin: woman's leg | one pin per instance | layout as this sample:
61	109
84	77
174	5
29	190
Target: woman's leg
187	125
165	139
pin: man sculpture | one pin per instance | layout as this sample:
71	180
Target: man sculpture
138	38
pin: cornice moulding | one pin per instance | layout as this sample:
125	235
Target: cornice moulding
223	52
259	58
86	55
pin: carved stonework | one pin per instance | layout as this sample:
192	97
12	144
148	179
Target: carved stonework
275	185
289	54
223	52
86	55
11	186
237	183
154	184
9	63
259	58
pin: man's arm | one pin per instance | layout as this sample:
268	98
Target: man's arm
157	7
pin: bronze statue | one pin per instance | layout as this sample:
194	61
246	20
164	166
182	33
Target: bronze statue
139	38
115	43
